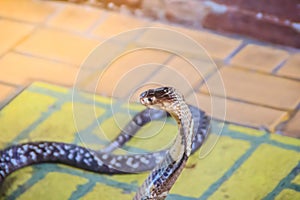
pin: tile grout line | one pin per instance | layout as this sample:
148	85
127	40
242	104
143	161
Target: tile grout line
283	184
228	174
278	67
35	27
235	52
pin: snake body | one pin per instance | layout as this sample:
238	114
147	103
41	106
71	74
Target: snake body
18	156
165	174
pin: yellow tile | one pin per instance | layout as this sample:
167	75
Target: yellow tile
245	130
58	45
15	180
288	194
76	17
54	186
26	10
12	33
66	126
154	136
108	193
258	176
208	170
285	140
19	69
203	172
297	180
14	117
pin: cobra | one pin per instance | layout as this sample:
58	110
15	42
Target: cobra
190	138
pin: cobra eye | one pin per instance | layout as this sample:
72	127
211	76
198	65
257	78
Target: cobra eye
150	99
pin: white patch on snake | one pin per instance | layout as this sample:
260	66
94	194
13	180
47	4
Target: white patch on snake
138	120
104	156
6	168
2	173
70	156
130	163
51	147
87	155
113	161
33	155
41	145
144	160
78	157
86	161
14	162
119	158
10	153
56	154
23	159
38	150
67	147
60	149
25	147
99	162
118	164
48	151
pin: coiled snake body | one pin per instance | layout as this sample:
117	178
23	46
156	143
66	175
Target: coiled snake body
166	164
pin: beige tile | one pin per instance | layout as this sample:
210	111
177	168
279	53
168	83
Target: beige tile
117	23
182	74
58	45
20	69
76	17
190	42
254	87
292	67
292	128
259	58
237	112
6	91
123	76
12	33
27	10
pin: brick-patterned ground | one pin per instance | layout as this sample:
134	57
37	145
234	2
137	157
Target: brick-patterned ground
244	164
49	41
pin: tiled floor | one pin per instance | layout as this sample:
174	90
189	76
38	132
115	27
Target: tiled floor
255	84
244	164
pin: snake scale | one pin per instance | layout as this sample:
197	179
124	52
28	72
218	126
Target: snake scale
166	165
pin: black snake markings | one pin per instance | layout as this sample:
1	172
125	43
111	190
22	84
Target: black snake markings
18	156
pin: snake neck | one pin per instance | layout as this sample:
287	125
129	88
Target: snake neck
165	174
183	142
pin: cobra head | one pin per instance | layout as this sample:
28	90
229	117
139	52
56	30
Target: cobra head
161	98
